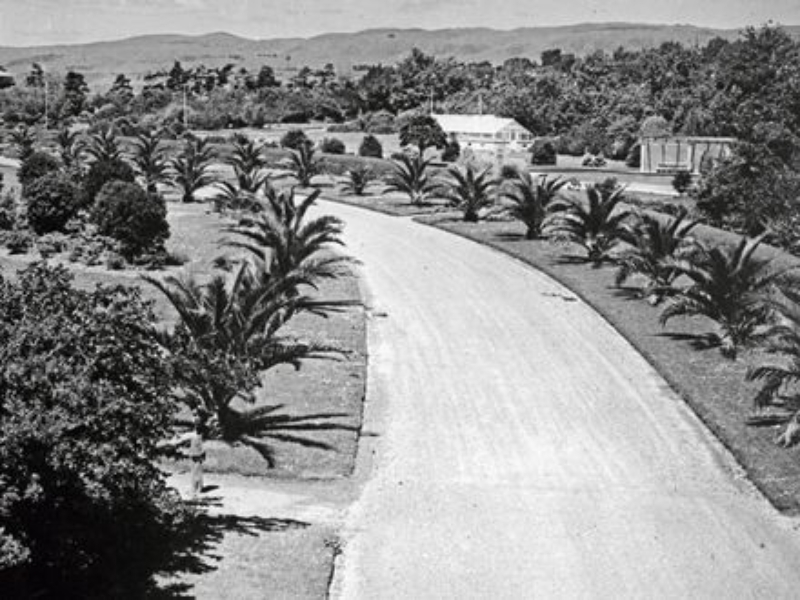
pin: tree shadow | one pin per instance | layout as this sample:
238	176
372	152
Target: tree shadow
698	341
194	551
508	236
628	293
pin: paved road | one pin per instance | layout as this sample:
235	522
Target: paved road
525	450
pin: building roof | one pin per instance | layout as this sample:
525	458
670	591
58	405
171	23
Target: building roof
475	123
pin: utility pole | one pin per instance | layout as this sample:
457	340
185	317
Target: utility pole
46	116
431	101
185	114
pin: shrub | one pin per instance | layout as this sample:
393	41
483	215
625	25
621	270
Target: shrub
382	122
100	173
294	139
370	146
35	166
8	211
509	171
452	150
136	219
50	244
18	242
52	201
634	157
332	145
682	181
543	152
86	401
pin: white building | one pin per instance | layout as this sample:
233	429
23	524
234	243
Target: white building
673	153
486	132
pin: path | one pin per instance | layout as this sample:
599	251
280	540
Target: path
526	450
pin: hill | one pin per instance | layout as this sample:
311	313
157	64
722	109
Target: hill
101	61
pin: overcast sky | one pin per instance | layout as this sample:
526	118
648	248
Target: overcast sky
37	22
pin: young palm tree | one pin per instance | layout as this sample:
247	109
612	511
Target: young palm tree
358	178
285	241
303	164
23	141
530	200
248	162
232	197
595	223
733	288
411	176
655	245
191	168
470	190
782	339
149	159
227	335
104	146
70	148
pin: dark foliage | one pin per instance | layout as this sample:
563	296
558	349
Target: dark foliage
102	172
35	166
371	147
136	219
52	200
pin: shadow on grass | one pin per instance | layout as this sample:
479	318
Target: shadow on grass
698	341
627	293
194	551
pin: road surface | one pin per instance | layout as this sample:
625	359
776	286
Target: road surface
525	450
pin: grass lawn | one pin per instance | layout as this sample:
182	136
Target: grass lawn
713	386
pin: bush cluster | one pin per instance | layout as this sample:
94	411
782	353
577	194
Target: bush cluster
332	145
371	147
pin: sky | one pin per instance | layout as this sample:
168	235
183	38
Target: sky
41	22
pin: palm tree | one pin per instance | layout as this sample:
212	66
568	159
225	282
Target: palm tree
595	223
733	288
227	335
23	141
782	339
191	168
149	158
358	178
655	244
104	146
232	197
303	164
531	199
247	160
411	177
70	148
470	190
282	238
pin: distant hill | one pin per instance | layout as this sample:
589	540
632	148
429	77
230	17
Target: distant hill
101	61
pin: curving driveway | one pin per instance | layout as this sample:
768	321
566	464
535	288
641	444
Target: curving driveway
525	450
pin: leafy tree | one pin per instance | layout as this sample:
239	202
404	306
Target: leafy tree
452	150
594	223
682	181
370	146
543	152
332	146
294	139
411	176
358	179
102	172
266	78
85	402
150	160
133	217
75	91
655	244
52	201
470	190
733	288
191	168
36	165
422	131
530	200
